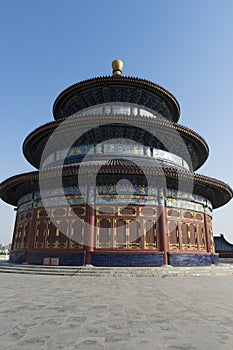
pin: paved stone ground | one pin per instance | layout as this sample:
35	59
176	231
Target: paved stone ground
115	313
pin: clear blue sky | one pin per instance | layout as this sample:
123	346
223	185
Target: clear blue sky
184	45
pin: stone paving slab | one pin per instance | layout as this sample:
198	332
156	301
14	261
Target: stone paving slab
115	313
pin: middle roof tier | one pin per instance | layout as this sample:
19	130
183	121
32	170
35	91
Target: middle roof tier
151	133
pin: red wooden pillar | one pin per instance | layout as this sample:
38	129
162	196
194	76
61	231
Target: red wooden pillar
143	233
90	220
207	233
91	233
163	233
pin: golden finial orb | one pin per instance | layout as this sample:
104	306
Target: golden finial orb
117	66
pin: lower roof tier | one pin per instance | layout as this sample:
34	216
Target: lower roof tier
217	192
94	129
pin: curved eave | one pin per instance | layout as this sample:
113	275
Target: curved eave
35	142
216	191
16	186
136	84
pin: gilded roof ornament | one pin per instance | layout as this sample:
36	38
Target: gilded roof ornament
117	66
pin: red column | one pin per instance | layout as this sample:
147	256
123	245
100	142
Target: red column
163	233
143	232
91	233
207	233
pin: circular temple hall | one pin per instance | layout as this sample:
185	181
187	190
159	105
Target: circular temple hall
116	182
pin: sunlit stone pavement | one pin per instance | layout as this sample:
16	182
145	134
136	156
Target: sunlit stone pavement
119	313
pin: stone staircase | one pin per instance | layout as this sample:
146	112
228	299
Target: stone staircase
91	271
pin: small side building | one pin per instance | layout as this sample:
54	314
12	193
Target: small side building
223	247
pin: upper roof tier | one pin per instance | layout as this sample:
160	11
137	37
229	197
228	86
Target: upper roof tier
116	88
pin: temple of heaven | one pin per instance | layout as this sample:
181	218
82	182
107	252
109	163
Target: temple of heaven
115	183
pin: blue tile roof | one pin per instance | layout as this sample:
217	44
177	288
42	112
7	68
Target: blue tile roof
221	244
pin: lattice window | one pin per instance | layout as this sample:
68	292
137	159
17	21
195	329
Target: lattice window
26	231
211	239
106	210
120	233
193	237
79	211
103	236
188	215
51	235
201	237
150	234
173	234
128	211
185	235
58	212
42	213
77	234
134	240
148	211
28	215
63	234
18	236
41	232
199	217
173	212
58	234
